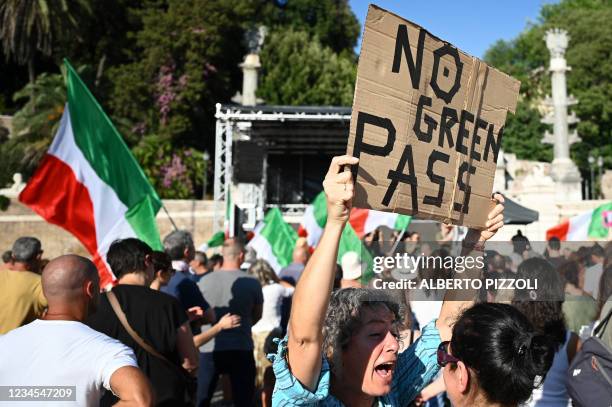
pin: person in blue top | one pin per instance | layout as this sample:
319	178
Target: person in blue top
342	348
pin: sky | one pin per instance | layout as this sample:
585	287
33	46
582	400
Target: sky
470	25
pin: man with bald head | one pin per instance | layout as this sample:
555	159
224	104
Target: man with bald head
293	271
59	350
231	352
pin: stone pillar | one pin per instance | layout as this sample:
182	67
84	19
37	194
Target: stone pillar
564	171
250	67
499	182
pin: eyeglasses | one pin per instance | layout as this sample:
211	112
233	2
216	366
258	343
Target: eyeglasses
444	358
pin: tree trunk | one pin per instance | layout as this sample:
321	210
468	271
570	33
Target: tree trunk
100	70
32	77
31	73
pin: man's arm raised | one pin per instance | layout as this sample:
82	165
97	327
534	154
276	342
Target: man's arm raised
455	302
312	294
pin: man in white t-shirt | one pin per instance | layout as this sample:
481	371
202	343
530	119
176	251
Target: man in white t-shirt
59	350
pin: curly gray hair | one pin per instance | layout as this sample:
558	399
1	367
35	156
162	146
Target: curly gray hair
344	318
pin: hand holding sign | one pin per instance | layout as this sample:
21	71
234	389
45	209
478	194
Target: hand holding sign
495	220
338	185
430	120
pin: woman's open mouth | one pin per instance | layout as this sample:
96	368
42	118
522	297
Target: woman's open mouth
385	370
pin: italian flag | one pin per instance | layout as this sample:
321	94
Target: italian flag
363	221
89	183
274	240
586	226
314	220
350	242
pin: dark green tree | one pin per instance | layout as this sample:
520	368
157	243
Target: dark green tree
298	70
31	26
526	58
331	21
33	125
190	51
159	66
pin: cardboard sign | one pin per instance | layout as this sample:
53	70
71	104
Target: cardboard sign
427	124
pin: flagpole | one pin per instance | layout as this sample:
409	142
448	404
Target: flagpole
169	217
397	240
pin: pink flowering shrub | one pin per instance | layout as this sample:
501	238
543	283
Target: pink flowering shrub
175	173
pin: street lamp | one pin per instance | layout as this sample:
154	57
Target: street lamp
206	164
591	160
600	164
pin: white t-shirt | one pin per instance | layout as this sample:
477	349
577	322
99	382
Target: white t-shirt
273	295
592	275
61	353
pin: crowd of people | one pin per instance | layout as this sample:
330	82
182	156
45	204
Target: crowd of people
180	328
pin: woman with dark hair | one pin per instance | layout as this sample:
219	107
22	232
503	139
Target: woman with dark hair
494	357
162	273
162	270
544	309
342	348
579	308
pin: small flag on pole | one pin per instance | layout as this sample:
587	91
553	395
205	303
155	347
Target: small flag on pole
274	240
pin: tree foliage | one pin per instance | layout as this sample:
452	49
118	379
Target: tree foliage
158	67
332	22
298	70
190	51
590	80
33	125
308	58
177	172
28	27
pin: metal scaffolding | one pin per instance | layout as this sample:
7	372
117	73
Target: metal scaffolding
320	129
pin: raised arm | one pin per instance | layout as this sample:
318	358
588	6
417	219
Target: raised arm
313	290
473	244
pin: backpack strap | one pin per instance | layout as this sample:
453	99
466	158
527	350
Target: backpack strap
572	346
112	299
599	330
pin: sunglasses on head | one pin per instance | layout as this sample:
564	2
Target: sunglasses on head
444	358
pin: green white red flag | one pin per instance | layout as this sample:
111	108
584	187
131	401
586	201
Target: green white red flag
274	240
586	226
363	221
90	184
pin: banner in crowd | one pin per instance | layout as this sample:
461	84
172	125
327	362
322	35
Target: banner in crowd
361	222
90	184
427	124
274	240
365	221
586	226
